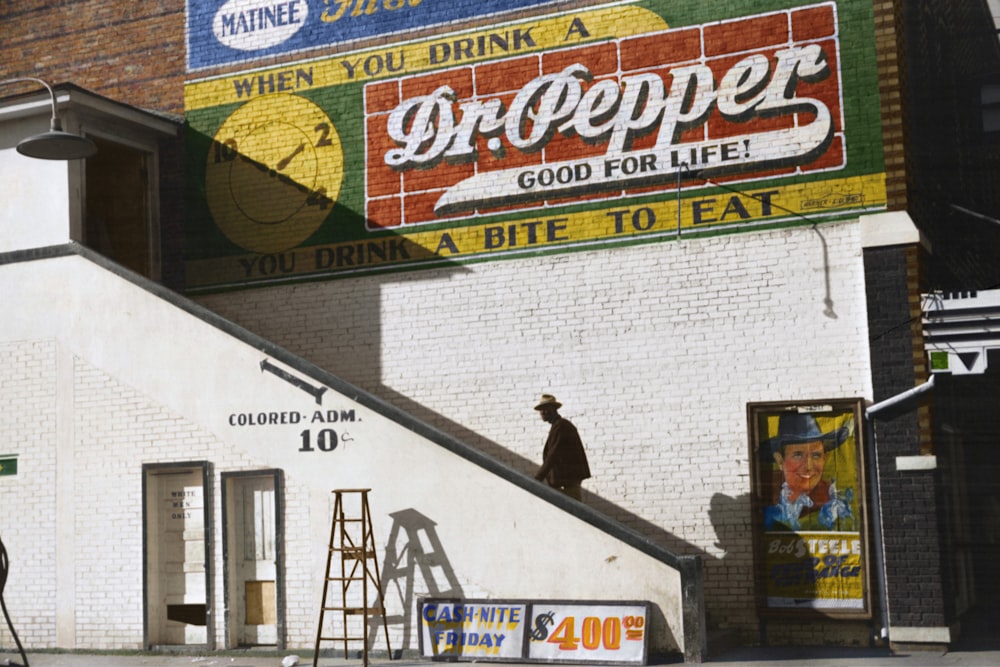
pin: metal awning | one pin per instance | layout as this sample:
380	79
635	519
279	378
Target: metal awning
959	329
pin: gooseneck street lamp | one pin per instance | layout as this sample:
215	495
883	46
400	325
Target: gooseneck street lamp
54	144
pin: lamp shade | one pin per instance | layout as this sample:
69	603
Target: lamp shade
56	145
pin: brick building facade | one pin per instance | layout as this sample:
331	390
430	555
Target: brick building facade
663	309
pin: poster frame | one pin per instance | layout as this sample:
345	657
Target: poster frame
762	473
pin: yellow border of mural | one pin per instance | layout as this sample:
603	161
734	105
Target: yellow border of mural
629	222
547	34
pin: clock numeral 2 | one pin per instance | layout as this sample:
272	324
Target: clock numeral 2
324	139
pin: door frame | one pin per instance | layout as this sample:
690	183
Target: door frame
277	476
208	494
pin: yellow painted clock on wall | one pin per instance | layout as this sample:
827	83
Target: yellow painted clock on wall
274	172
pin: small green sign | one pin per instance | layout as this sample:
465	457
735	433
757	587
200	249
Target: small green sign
939	360
8	466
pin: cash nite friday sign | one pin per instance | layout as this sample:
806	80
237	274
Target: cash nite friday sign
606	633
587	128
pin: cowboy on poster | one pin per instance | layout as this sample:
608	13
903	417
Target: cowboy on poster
809	491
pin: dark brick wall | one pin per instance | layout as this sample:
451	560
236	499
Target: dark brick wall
952	51
132	52
887	272
916	559
172	213
943	54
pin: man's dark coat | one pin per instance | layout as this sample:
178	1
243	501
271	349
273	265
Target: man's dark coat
564	462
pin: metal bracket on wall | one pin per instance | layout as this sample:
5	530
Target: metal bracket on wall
315	392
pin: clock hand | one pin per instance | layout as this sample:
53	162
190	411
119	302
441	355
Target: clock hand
285	161
284	178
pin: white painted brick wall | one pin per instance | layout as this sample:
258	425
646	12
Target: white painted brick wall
27	500
655	351
112	419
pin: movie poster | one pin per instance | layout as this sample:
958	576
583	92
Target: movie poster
809	500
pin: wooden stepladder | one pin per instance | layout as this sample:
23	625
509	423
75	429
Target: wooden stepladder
352	542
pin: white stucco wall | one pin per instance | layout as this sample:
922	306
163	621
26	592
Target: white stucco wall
655	350
34	195
101	378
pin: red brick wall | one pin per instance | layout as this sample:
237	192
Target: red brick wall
132	52
892	74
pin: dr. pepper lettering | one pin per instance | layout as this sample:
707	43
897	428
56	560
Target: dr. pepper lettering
433	127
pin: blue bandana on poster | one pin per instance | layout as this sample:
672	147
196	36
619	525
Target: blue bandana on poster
220	32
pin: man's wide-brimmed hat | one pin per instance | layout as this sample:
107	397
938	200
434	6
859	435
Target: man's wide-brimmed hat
548	400
795	428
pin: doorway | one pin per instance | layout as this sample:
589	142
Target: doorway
177	572
252	528
120	207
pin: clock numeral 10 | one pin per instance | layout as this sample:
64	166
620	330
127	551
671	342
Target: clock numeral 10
225	151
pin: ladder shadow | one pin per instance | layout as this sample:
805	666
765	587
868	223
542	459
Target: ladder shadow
413	550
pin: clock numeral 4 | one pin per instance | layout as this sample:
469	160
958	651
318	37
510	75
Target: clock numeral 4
318	198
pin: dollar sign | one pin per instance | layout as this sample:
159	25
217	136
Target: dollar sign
541	632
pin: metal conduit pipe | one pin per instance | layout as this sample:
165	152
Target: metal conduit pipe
887	409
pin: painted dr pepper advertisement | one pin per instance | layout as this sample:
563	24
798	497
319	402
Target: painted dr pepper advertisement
809	495
584	129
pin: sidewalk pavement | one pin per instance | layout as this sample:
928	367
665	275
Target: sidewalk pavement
742	657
